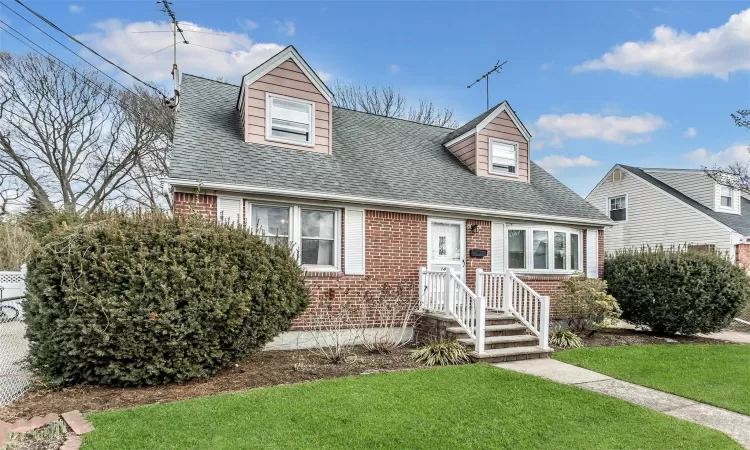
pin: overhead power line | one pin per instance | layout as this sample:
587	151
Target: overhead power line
65	47
73	38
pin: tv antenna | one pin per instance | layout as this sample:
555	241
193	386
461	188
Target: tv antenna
175	101
486	78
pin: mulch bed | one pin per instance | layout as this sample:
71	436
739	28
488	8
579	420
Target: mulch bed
617	336
269	368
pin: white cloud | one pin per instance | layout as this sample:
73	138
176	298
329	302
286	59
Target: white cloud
691	132
394	68
324	76
556	128
671	53
75	9
234	54
556	163
286	27
246	24
738	153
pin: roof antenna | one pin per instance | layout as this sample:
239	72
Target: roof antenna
173	102
486	77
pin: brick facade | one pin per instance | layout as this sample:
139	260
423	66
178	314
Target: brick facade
395	249
743	256
204	205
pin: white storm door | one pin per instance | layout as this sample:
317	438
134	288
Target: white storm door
447	245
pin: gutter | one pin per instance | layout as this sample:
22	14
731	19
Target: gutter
382	202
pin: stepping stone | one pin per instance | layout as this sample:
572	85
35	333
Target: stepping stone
77	422
73	442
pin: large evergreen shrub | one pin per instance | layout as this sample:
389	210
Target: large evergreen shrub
133	300
674	291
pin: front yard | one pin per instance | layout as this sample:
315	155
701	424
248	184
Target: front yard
715	374
472	406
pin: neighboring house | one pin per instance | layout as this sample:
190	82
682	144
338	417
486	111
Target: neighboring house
672	207
369	199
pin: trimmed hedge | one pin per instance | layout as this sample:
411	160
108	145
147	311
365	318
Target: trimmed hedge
673	291
134	300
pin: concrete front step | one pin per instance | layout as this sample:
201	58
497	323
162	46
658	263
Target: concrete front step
514	329
504	341
510	354
499	319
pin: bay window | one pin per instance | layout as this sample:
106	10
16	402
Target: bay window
313	233
549	250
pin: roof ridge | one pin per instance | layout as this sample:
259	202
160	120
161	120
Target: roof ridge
394	118
209	79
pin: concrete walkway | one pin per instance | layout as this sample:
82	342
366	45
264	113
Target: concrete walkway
738	337
734	424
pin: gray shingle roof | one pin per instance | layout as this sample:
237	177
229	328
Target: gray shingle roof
373	157
738	222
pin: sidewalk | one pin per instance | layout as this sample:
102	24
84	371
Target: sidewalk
734	424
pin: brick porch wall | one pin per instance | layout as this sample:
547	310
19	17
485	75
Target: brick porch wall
742	257
395	249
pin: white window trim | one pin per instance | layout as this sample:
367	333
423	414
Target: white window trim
550	250
627	208
719	206
270	137
219	199
489	157
295	231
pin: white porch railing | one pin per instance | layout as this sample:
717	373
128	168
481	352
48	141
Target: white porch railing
506	292
444	292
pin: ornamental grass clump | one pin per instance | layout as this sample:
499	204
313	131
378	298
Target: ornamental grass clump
676	290
565	338
147	299
442	353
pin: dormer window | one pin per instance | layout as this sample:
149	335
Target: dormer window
503	157
290	120
727	195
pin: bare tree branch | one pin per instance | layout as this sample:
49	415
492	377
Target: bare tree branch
386	101
736	175
77	142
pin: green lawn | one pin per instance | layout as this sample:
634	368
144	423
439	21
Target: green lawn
474	406
715	374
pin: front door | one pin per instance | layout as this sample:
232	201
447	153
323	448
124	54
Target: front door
447	245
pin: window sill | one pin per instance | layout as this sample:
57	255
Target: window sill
506	175
290	142
316	273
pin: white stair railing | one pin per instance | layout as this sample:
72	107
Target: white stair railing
506	292
447	290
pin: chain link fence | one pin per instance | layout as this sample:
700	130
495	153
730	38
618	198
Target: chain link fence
743	322
14	380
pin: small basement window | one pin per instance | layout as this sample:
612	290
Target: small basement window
290	120
618	208
503	157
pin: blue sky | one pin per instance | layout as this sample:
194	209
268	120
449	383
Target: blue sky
641	83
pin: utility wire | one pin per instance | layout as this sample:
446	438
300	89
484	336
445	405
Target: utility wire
65	47
63	63
59	61
50	23
188	30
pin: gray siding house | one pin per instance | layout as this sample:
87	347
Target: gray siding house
670	207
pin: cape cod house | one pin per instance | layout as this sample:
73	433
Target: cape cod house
673	207
464	214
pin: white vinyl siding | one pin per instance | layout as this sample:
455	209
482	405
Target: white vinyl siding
496	250
354	242
655	218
